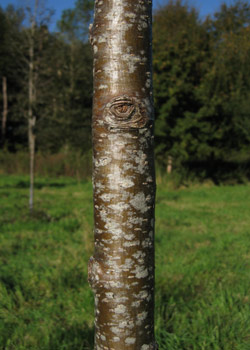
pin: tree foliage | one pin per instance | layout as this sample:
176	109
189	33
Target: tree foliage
202	87
63	75
180	48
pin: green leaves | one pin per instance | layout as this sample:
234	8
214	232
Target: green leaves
74	22
62	77
202	84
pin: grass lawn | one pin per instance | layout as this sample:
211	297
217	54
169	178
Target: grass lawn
202	266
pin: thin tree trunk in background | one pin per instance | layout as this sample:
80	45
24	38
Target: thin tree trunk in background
5	108
31	116
169	165
121	272
31	122
31	135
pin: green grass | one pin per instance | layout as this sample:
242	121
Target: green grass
202	266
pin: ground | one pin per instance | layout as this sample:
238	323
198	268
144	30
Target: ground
202	266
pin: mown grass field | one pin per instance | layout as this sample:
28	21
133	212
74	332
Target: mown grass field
202	266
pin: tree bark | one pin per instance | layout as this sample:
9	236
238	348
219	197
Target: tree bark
5	109
121	272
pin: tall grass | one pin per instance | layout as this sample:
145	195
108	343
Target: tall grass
66	163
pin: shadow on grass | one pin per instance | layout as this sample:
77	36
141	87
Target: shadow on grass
38	185
74	338
39	215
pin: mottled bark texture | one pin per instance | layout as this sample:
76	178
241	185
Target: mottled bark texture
121	272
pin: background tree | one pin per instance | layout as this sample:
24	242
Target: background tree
72	79
202	90
180	50
35	37
224	92
11	80
64	60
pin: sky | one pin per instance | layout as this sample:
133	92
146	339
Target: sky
205	7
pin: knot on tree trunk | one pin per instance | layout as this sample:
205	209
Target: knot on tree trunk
125	112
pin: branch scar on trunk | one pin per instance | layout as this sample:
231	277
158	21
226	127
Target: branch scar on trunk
125	112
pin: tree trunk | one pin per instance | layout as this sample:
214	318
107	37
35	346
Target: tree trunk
31	136
121	272
169	165
5	109
31	116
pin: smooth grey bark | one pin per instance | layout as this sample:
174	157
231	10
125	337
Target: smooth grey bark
5	108
121	272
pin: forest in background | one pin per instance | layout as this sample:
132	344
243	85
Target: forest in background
201	89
